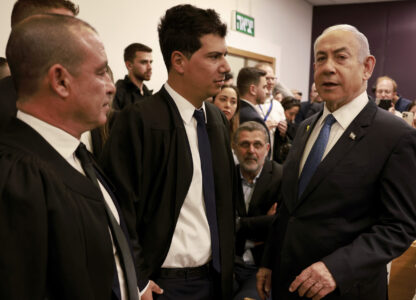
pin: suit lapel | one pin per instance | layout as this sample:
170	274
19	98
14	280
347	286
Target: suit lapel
261	185
292	164
352	135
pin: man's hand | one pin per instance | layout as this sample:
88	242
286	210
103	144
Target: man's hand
264	282
272	210
271	124
392	109
314	282
282	127
151	288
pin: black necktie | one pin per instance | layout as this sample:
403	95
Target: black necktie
117	233
208	186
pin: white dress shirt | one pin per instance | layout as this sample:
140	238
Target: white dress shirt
277	112
276	115
191	241
248	189
66	144
343	116
86	138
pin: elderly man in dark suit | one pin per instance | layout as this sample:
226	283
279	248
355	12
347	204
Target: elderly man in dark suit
348	195
170	157
61	229
256	203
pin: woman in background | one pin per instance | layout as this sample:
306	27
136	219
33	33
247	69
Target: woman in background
283	143
227	100
412	108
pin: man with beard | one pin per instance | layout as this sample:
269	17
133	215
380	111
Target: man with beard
252	85
138	60
259	182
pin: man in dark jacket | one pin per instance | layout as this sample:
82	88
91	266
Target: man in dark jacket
259	182
170	157
138	60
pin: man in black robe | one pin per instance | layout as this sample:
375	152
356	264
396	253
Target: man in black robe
167	162
54	221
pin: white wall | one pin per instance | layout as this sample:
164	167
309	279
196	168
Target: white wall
282	27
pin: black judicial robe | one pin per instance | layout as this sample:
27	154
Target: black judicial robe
8	97
54	235
148	159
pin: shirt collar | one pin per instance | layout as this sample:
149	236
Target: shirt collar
347	113
186	108
64	143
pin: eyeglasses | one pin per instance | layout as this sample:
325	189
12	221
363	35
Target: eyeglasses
246	145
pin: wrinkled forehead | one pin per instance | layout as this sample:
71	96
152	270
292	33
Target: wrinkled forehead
252	135
86	36
89	45
385	84
335	40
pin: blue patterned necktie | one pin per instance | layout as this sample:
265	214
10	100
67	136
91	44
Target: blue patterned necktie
315	156
208	186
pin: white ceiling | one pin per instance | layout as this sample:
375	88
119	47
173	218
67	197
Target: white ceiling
336	2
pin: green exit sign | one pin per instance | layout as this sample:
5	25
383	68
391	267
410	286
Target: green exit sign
244	23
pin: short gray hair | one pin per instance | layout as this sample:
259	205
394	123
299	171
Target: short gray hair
251	126
364	50
40	41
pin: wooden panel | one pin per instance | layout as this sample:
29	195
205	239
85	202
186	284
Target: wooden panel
252	56
402	284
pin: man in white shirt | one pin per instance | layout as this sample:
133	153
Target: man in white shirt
169	156
348	193
64	232
271	110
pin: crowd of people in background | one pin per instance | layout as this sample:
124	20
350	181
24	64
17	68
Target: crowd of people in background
214	186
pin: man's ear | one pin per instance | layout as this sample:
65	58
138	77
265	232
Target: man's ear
178	61
369	64
129	65
59	80
253	90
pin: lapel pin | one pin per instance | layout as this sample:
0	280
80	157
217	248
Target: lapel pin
352	136
307	128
